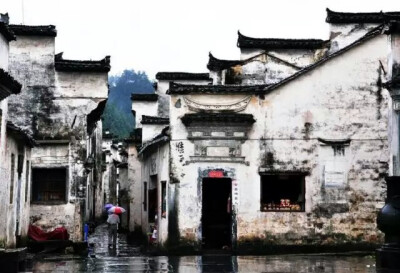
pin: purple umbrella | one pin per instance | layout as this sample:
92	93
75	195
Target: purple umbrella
108	206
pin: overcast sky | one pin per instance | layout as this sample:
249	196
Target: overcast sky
175	35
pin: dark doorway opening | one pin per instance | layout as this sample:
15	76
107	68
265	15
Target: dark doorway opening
216	213
153	199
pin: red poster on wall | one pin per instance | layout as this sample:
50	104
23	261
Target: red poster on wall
216	174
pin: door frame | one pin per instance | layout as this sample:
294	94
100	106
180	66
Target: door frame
229	173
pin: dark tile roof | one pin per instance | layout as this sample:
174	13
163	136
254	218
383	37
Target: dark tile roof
6	31
135	136
215	64
371	34
334	17
209	118
81	66
162	138
171	76
12	86
95	115
144	97
24	30
154	120
20	133
183	89
274	43
392	83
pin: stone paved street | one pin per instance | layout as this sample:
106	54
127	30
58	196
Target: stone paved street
127	258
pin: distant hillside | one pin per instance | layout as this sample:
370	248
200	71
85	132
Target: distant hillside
117	116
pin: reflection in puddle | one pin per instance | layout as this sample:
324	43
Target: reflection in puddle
202	264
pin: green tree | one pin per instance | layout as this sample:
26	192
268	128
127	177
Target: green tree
117	116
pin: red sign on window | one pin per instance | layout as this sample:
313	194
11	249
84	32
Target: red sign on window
216	174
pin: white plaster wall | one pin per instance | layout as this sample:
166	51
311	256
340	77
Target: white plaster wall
265	70
151	130
144	108
160	155
298	57
341	35
18	192
163	85
81	85
4	170
4	48
325	97
135	186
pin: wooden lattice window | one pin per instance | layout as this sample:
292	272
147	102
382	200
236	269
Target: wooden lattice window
49	185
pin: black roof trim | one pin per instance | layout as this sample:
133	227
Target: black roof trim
215	64
392	83
209	118
334	17
273	172
335	141
275	43
95	115
6	32
25	30
13	86
163	137
135	136
154	120
81	65
21	133
171	76
184	89
371	34
144	97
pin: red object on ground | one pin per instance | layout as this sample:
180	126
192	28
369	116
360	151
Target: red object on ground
37	234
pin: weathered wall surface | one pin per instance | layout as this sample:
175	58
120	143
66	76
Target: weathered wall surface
289	122
149	131
17	201
341	35
144	108
54	105
4	49
155	164
4	170
297	57
163	98
135	188
32	64
96	178
50	216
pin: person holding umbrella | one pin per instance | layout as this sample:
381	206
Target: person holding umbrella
113	221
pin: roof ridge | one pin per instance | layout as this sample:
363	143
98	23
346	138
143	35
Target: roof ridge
336	17
6	31
184	89
62	64
280	43
31	30
373	33
182	76
220	64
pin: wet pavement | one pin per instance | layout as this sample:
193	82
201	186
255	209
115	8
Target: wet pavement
127	258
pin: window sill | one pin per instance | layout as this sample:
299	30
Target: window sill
48	203
282	210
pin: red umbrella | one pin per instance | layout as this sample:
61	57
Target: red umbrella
116	210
